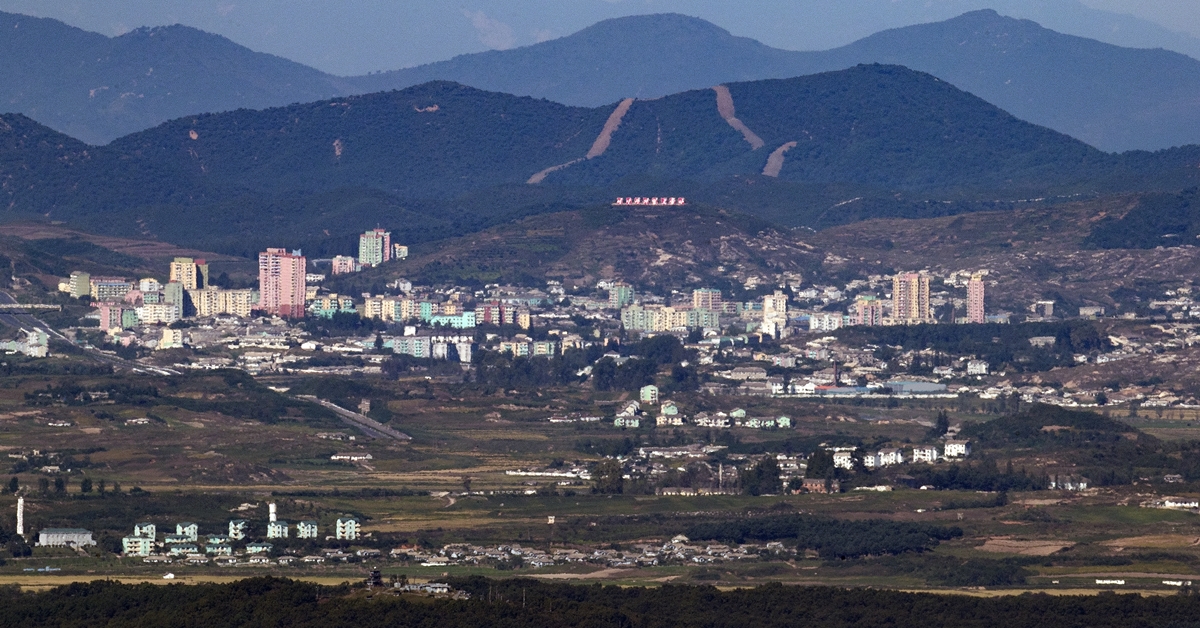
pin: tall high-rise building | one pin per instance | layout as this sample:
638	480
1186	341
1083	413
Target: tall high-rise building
191	273
620	295
281	282
975	311
706	299
374	247
910	298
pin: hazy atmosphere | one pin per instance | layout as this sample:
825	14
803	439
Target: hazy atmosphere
361	36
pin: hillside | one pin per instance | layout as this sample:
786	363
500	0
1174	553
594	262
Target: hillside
440	159
97	88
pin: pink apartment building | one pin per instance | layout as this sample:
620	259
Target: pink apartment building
281	283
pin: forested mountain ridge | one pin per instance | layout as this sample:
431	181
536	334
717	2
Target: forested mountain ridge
98	88
801	145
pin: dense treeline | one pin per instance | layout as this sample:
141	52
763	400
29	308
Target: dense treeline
1158	220
831	538
525	602
1004	347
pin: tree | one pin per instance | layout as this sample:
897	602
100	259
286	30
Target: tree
762	478
14	485
100	486
60	486
610	477
942	426
43	486
85	486
820	463
1101	398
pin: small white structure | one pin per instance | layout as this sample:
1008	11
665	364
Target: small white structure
925	453
65	537
21	516
277	530
271	512
958	448
347	529
977	367
307	530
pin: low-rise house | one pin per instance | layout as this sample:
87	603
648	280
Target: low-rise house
347	529
135	545
977	367
218	549
925	453
183	549
176	539
218	539
145	529
258	548
843	460
889	457
631	422
958	448
188	529
307	530
277	530
238	529
871	460
817	485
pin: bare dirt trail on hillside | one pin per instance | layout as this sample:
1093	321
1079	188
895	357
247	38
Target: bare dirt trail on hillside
598	147
775	161
727	111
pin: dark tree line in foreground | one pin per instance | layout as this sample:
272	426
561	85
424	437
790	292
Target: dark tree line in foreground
524	602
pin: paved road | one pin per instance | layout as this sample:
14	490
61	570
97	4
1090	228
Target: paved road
368	425
24	319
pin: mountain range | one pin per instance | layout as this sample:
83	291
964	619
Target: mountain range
442	159
97	88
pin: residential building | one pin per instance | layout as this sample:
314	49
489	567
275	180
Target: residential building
817	485
825	321
775	314
307	530
183	549
517	347
374	247
79	284
258	548
109	288
889	457
145	529
977	367
630	422
327	305
281	282
465	320
843	460
192	274
113	315
925	453
910	298
212	301
171	339
344	265
157	313
238	529
975	290
648	394
957	448
277	530
868	310
136	545
347	529
219	549
188	529
399	251
706	299
65	537
620	295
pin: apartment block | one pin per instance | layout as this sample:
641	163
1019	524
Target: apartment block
975	292
281	284
192	274
910	298
344	265
374	247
